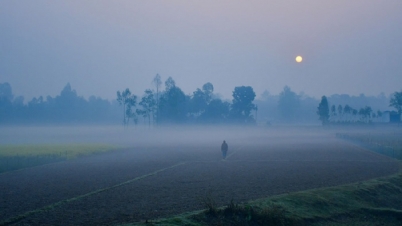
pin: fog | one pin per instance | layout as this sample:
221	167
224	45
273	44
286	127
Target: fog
164	135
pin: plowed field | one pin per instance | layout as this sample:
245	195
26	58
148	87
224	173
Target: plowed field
159	180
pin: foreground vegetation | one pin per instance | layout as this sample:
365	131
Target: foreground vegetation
14	157
373	202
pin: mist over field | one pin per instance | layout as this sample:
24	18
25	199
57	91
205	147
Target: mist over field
143	135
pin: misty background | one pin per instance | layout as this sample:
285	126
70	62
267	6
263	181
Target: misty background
64	62
100	47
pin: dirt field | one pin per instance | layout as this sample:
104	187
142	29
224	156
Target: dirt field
150	182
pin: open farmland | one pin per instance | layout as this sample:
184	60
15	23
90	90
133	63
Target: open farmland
166	178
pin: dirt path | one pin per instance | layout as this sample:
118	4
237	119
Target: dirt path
147	183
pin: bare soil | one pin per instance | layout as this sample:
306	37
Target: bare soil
259	168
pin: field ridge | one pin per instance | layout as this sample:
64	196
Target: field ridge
59	203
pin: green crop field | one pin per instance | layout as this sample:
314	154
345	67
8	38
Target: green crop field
67	151
14	157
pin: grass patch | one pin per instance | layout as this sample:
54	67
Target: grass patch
373	202
14	157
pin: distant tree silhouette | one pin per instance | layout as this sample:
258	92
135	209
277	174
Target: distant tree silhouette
396	101
198	103
6	93
242	104
67	104
131	114
323	110
158	82
67	107
333	109
340	112
379	113
217	111
127	100
289	103
172	107
354	112
365	114
148	104
347	110
208	90
6	98
169	83
200	99
368	110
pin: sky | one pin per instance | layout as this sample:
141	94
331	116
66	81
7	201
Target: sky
100	47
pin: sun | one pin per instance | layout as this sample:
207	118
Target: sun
299	59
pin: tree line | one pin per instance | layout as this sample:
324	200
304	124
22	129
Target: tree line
166	103
67	107
173	106
347	115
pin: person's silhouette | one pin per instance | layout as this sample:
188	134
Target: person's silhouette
224	149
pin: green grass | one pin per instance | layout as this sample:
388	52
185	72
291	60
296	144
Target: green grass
373	202
67	151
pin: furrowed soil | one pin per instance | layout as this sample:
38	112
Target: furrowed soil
144	183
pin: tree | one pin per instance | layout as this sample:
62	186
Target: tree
354	112
6	93
365	113
127	100
66	106
172	107
289	103
158	82
198	102
131	114
200	99
333	110
208	89
347	110
217	111
340	110
148	105
6	98
242	104
396	101
379	113
323	110
169	83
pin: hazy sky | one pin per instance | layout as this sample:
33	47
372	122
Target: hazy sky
103	46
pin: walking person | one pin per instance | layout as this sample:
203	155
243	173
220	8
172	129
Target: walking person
224	149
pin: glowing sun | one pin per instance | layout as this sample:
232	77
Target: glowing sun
299	59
